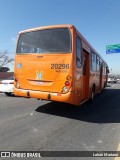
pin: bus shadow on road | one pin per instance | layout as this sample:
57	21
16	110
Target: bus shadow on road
104	109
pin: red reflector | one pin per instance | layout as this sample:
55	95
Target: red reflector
1	83
67	83
58	94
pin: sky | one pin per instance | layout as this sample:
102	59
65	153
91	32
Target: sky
97	20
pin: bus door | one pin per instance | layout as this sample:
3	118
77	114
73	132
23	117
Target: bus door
100	76
85	77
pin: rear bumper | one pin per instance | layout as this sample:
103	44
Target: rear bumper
6	89
67	98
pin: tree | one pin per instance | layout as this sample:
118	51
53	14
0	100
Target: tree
4	59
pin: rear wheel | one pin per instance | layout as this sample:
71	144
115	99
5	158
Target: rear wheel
8	94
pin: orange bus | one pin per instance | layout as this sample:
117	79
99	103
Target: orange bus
57	63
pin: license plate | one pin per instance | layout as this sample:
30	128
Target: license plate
40	83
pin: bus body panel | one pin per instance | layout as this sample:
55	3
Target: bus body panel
44	76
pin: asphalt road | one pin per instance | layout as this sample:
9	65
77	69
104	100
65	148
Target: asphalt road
32	125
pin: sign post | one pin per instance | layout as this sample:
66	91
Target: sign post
113	48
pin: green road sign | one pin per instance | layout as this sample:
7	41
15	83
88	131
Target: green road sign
113	48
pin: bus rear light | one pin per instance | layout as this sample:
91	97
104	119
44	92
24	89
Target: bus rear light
16	79
64	89
68	77
17	85
67	83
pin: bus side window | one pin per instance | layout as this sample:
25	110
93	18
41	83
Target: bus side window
93	62
78	52
98	63
84	64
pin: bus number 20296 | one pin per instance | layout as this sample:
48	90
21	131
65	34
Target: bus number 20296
59	66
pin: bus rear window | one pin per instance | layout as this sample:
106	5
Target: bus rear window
45	41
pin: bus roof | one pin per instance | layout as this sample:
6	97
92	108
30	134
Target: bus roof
47	27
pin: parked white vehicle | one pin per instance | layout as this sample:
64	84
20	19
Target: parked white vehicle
7	86
112	80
